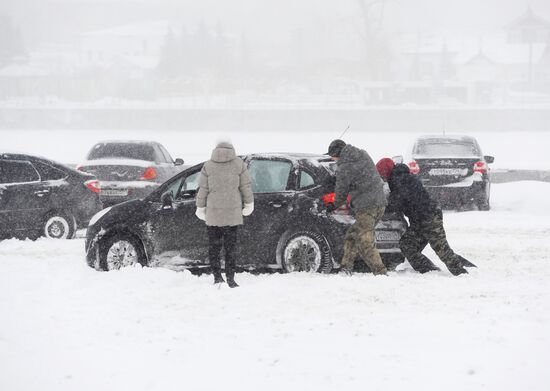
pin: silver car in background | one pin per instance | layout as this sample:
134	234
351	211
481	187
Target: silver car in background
129	169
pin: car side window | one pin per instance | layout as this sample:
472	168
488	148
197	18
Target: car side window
190	183
49	173
167	157
306	180
175	186
17	171
269	176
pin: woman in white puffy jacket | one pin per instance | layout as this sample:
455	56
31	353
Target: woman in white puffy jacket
224	197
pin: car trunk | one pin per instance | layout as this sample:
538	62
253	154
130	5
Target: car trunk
444	171
114	173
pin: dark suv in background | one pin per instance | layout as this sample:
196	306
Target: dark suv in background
289	229
41	197
129	169
453	169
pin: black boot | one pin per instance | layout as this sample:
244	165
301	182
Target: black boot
231	281
422	264
465	262
218	279
455	267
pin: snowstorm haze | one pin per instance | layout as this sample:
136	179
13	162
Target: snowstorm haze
245	54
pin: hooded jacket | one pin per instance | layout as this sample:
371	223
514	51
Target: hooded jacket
224	186
409	196
357	176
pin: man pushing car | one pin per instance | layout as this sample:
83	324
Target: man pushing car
408	196
356	175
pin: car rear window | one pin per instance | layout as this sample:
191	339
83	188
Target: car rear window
122	151
445	149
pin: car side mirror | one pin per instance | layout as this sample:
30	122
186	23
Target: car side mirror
489	159
178	162
188	194
167	200
397	159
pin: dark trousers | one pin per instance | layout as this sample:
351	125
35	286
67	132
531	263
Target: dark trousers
226	237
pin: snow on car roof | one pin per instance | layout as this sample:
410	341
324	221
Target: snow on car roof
449	137
292	155
126	142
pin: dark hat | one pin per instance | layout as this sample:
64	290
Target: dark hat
385	167
335	148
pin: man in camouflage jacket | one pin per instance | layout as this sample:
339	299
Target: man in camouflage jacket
357	177
408	195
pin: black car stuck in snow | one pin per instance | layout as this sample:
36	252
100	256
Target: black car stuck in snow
39	197
289	229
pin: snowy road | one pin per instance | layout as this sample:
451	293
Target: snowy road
67	327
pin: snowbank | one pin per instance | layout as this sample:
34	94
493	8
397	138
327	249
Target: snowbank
67	327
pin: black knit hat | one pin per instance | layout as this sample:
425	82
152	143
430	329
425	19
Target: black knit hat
335	148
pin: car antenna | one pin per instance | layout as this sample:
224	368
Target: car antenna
343	133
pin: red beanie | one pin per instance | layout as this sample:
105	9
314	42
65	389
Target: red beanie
385	167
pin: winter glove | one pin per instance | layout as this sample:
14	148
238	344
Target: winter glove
248	209
330	207
201	213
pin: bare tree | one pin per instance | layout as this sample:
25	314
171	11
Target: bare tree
375	44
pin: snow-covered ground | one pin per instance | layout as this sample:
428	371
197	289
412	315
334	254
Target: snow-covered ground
65	326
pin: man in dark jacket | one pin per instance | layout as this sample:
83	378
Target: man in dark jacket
408	195
357	177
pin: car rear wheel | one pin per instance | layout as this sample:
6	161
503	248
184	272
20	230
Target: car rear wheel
121	250
305	251
59	225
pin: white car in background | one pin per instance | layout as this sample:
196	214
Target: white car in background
129	169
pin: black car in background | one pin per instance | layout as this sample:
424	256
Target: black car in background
42	197
129	169
289	229
453	169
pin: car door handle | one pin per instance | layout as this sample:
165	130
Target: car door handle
41	193
277	204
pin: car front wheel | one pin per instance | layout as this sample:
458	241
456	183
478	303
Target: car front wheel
121	250
305	251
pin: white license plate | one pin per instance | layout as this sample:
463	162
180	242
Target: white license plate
387	236
114	193
447	171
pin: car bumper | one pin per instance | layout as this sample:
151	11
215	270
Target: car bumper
457	195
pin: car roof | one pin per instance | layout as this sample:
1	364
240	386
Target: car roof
448	137
294	156
143	142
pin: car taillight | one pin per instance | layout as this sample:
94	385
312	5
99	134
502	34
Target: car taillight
414	168
149	174
480	167
331	197
328	198
93	185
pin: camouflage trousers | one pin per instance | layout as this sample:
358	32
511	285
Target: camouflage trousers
360	240
418	235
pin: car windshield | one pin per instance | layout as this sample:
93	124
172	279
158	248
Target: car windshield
122	151
446	149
